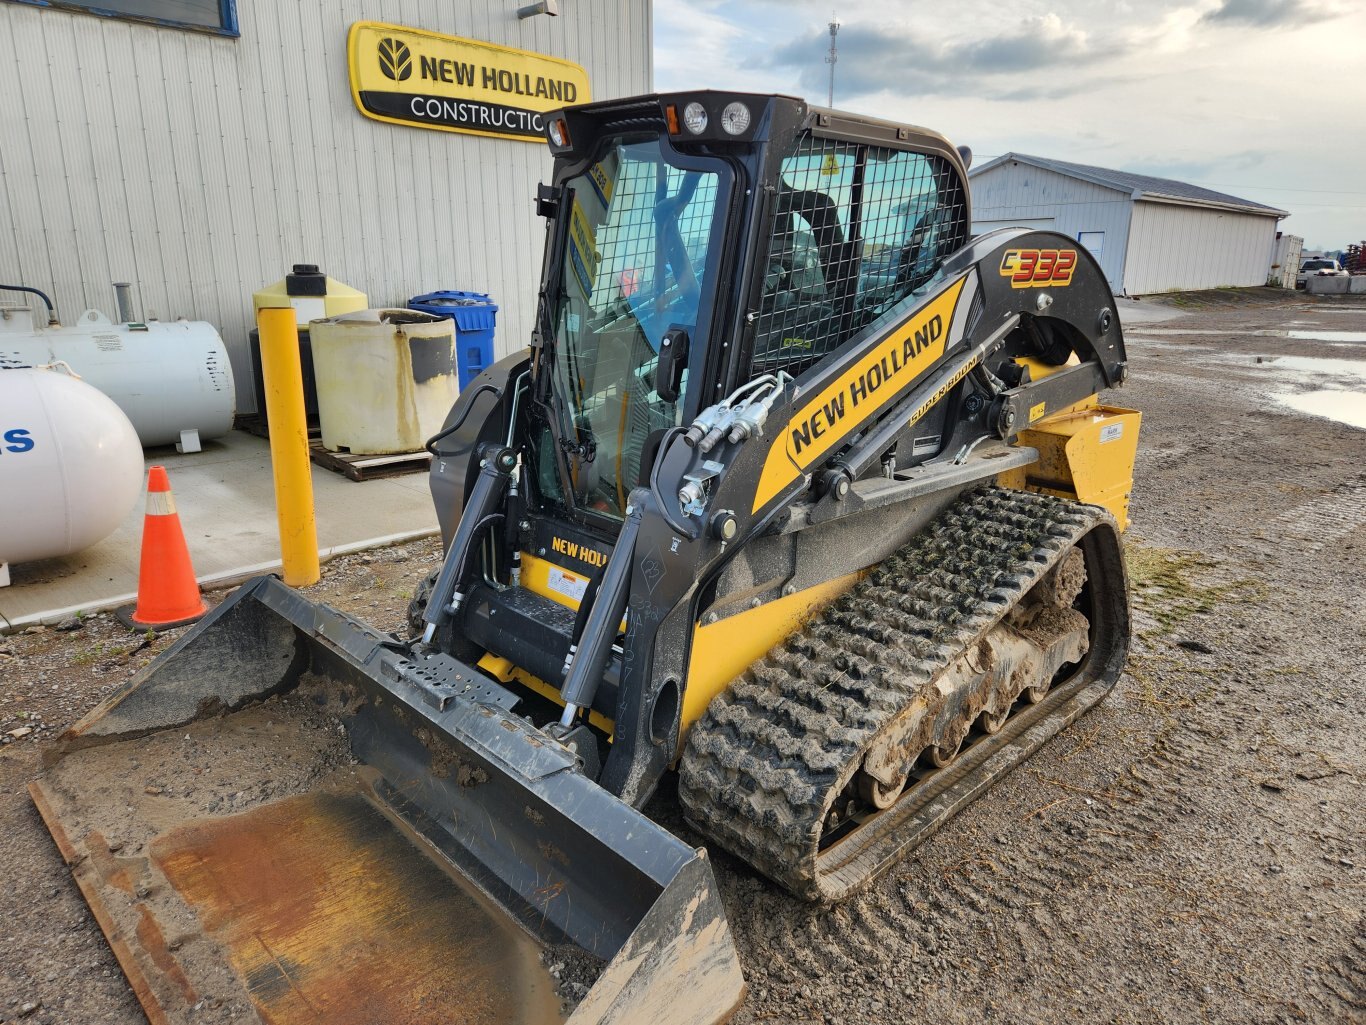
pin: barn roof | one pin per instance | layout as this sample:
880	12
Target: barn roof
1139	186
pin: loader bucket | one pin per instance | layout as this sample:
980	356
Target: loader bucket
288	815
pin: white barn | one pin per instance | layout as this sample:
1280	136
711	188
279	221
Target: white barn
1149	234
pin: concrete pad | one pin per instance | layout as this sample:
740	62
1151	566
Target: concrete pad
1134	311
225	496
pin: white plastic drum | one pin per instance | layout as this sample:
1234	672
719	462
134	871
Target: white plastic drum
386	379
70	465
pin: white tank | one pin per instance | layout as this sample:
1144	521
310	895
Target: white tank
70	466
167	377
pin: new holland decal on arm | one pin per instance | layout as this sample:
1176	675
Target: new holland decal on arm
858	395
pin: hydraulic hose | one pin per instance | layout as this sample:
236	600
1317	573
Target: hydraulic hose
460	420
678	528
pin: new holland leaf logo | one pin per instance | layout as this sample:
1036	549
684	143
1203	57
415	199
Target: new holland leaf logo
395	60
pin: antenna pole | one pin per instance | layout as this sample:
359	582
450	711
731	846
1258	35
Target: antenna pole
833	57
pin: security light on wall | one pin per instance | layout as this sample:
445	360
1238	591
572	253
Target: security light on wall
550	7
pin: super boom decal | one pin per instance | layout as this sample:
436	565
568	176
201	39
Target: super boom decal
859	394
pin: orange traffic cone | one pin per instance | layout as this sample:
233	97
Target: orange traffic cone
168	594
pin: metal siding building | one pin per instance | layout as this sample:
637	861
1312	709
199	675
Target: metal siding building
200	167
1028	196
1149	234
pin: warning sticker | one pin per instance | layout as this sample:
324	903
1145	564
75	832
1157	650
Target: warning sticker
571	585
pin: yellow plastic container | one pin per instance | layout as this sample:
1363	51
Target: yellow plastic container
312	295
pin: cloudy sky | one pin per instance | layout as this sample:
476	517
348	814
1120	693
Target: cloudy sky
1264	99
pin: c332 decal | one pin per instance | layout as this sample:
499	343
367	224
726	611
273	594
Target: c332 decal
1039	268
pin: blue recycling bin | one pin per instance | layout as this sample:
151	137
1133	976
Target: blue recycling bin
475	317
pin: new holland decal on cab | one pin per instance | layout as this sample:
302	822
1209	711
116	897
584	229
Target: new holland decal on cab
1037	268
859	394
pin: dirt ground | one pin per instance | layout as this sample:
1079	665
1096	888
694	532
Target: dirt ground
1193	851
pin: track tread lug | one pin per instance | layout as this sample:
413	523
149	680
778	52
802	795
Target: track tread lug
763	764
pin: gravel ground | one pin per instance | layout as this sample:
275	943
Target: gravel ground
1193	851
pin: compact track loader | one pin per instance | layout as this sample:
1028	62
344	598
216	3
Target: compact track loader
800	490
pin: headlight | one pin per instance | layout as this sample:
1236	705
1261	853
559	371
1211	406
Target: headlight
735	118
558	135
695	118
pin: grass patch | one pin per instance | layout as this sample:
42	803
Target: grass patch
103	651
1167	584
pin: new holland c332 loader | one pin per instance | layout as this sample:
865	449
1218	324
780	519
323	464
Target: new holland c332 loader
799	491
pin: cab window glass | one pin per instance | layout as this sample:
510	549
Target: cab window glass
856	229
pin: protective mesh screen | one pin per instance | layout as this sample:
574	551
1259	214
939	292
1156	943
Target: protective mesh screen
857	229
640	257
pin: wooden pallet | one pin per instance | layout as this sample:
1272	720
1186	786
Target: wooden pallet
255	423
357	467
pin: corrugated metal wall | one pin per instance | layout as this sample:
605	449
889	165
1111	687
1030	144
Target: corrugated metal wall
1013	191
1173	247
1286	256
201	167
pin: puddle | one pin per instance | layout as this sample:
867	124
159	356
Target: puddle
1307	336
1346	407
1328	336
1315	365
1143	330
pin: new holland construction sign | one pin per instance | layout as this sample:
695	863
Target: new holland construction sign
410	76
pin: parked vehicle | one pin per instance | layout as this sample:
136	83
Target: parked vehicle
1322	267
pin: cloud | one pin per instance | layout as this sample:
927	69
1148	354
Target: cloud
1211	172
1272	13
899	60
1153	86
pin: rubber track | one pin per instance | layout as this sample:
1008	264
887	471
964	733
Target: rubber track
764	763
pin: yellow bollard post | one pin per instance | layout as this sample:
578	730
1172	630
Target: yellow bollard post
284	384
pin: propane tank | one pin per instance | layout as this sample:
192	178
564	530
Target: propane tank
70	466
171	379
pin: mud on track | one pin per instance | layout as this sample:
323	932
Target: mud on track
1192	851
